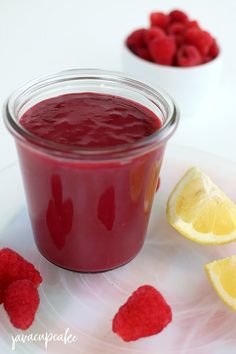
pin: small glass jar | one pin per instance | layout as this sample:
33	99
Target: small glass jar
89	207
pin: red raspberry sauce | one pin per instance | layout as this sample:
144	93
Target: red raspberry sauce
88	215
90	120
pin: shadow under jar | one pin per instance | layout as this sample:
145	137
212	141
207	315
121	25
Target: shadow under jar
89	206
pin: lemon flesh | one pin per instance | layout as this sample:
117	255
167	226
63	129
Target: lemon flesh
200	211
222	275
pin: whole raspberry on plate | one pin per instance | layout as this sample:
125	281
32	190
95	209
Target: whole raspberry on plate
145	313
21	301
15	267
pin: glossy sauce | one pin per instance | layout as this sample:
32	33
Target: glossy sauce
90	120
87	215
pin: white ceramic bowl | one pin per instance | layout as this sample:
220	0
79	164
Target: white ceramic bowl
191	87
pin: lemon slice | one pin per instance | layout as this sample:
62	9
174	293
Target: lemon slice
200	211
222	275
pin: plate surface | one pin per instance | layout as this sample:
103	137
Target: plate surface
84	304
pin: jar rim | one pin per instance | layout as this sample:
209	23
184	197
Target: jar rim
75	152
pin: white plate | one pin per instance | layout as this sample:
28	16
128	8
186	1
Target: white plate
86	303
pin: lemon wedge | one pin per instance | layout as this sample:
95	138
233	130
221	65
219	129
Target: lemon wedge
200	211
222	275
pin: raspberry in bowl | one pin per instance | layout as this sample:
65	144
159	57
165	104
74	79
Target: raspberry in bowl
176	54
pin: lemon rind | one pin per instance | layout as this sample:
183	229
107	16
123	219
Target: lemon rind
205	239
186	229
215	282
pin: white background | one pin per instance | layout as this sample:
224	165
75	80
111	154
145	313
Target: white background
39	37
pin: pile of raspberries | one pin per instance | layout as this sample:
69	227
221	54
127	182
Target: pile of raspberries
173	39
19	281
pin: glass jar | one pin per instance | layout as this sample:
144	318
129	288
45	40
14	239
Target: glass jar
89	207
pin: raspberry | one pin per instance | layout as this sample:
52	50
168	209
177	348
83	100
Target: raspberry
169	32
214	50
178	16
188	55
136	40
21	301
159	19
176	28
163	50
206	59
143	53
14	267
192	24
202	40
145	313
179	40
153	33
